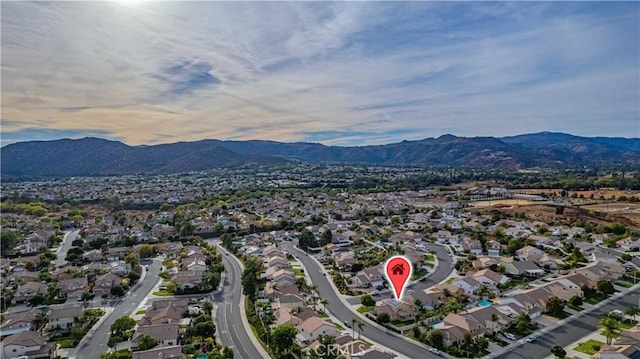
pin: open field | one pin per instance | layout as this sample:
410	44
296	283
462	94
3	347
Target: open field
502	202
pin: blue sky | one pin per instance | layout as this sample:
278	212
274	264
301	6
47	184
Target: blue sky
340	73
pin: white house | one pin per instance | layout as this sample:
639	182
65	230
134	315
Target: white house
26	344
467	284
314	327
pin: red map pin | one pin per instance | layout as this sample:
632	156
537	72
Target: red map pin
398	270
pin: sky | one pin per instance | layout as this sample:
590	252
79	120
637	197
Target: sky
338	73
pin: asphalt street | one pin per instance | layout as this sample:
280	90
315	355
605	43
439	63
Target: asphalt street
570	332
442	271
61	253
228	318
345	313
96	343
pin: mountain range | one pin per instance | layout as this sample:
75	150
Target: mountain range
94	156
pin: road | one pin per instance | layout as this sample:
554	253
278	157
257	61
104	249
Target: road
97	341
228	318
61	252
345	313
442	271
571	331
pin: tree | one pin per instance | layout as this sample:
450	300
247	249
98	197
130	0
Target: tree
8	240
118	291
558	351
435	338
367	300
632	311
360	326
121	325
575	300
146	251
610	328
207	306
283	338
383	318
605	287
40	320
555	306
147	342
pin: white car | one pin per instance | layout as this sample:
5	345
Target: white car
530	339
435	351
510	336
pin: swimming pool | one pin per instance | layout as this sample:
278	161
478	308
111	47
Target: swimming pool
484	303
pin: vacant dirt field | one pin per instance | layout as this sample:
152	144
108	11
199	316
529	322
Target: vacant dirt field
502	203
603	192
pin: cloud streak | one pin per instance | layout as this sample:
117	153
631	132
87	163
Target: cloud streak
338	73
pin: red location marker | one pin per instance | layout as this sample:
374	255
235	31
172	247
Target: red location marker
398	270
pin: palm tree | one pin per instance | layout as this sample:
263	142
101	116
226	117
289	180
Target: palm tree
40	321
324	303
632	311
610	328
353	325
360	325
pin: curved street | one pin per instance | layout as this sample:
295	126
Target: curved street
337	307
229	317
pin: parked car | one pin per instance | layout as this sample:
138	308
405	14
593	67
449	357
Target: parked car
510	336
435	351
530	339
347	324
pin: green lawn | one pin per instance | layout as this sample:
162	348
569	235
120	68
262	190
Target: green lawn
141	311
449	281
323	315
561	316
364	309
624	284
299	272
429	257
627	324
340	327
593	300
399	324
587	347
162	293
419	274
66	343
576	308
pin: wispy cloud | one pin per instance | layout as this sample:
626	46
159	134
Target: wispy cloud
338	73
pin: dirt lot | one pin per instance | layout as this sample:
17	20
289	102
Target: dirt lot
502	203
602	192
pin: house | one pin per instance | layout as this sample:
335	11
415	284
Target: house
345	260
188	279
629	244
396	309
529	253
279	262
119	267
367	278
283	277
472	246
117	253
172	352
468	284
17	322
105	282
164	334
27	344
289	301
94	255
27	291
523	269
73	287
494	248
63	318
489	277
165	312
314	327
